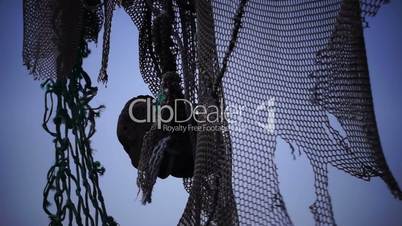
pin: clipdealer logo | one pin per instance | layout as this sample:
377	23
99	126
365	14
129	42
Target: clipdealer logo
233	114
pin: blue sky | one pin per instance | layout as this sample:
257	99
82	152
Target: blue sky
26	150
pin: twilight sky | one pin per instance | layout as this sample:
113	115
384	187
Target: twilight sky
26	150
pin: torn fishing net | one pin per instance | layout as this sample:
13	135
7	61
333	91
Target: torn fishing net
304	59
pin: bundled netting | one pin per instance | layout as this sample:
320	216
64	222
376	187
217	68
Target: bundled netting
291	68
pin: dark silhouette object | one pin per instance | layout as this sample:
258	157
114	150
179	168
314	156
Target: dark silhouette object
177	160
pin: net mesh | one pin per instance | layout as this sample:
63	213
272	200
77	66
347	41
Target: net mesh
295	67
52	34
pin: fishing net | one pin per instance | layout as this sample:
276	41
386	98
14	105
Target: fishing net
289	68
304	62
56	36
72	193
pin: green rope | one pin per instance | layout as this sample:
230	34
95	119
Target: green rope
72	193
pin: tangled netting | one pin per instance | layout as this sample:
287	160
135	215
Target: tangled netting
55	42
297	69
72	193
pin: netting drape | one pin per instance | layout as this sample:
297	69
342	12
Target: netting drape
304	59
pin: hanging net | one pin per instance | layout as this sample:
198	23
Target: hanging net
56	36
295	67
306	61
